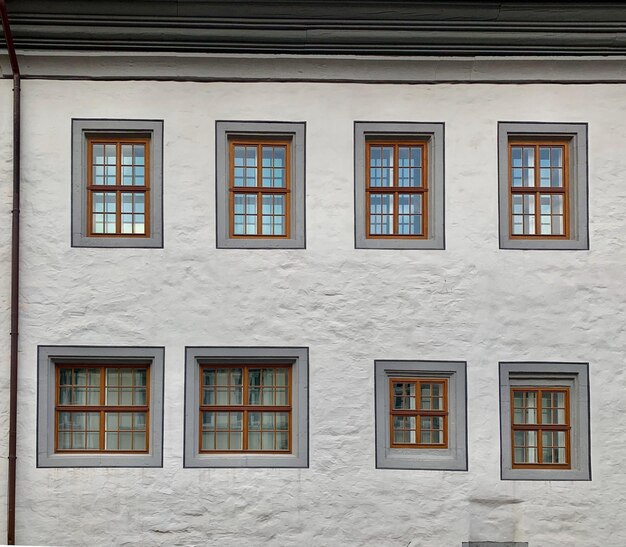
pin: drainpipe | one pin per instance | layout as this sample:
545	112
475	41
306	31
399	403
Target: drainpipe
15	274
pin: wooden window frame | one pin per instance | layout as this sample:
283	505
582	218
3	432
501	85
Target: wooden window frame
246	408
101	408
537	190
418	413
540	428
396	190
259	190
118	188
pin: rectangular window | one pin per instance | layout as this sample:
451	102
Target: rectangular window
260	187
396	189
100	406
540	427
102	409
539	189
543	186
419	413
399	185
118	184
544	421
245	408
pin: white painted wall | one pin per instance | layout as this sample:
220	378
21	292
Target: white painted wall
470	302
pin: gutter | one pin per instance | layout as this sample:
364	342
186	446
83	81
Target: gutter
15	275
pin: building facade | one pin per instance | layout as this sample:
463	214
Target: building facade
384	239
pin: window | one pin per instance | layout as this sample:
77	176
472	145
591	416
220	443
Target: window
117	183
260	184
100	406
421	415
540	428
246	407
545	421
399	194
543	186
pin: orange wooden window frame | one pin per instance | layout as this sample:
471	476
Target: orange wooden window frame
537	190
259	190
246	408
396	190
540	428
102	408
118	188
418	413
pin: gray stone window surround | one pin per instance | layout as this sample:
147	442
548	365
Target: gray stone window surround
297	356
453	458
578	184
434	133
297	230
49	356
83	128
542	374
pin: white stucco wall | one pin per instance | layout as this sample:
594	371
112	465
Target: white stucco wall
6	202
470	302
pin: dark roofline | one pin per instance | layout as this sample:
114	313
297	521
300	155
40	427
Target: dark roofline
354	27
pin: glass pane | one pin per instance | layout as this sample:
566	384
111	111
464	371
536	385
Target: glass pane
80	396
254	420
126	398
236	396
125	441
208	441
222	419
282	377
516	156
139	150
268	376
111	441
267	440
282	441
282	420
80	376
139	441
78	440
127	377
254	441
222	396
65	395
112	396
139	420
112	378
281	396
267	420
93	441
208	420
126	421
208	377
268	396
254	396
221	440
236	441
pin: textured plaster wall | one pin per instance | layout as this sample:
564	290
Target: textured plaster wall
470	302
6	202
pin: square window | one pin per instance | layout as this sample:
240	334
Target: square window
543	186
421	415
545	421
117	173
260	185
399	186
246	407
100	407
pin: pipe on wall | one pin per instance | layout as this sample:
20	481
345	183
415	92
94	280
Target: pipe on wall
15	276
